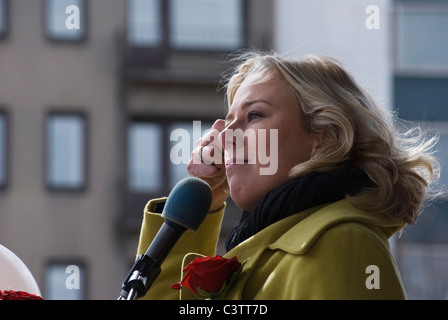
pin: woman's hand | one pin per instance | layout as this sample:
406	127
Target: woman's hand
207	163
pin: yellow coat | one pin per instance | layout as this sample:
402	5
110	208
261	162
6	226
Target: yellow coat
332	251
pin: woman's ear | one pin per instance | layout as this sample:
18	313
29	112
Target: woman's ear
317	144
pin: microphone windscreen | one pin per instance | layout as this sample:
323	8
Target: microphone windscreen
188	203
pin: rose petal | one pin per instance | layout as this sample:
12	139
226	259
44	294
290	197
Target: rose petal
209	275
177	286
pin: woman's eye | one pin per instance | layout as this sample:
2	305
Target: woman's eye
253	116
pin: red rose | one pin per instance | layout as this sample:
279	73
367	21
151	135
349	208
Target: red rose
209	277
17	295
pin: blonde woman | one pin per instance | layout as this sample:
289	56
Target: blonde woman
317	227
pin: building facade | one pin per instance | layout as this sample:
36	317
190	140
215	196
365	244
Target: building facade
91	92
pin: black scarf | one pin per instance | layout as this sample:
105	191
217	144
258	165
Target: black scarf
297	195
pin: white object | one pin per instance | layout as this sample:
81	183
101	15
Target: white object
14	274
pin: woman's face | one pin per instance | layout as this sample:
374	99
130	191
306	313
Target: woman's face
262	109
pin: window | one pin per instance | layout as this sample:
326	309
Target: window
421	98
3	18
423	247
3	155
66	151
207	24
144	28
421	60
144	156
65	281
66	20
420	82
158	153
442	151
183	136
186	24
422	40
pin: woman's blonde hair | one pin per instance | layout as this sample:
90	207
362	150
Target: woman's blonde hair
355	131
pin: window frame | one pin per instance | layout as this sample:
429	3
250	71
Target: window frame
67	262
439	128
84	25
5	33
85	147
400	7
171	176
135	201
4	184
165	44
143	120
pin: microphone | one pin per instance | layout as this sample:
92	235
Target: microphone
186	207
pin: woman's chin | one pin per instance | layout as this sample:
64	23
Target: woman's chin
243	198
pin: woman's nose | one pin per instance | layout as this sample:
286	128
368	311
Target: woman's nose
227	135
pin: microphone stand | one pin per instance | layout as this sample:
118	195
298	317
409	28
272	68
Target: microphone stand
143	273
146	268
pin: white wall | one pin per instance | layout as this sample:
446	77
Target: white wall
337	28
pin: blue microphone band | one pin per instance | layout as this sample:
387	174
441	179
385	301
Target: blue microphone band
188	203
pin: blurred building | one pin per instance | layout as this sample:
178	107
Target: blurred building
419	53
86	110
89	100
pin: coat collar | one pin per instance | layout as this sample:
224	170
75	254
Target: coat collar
302	235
